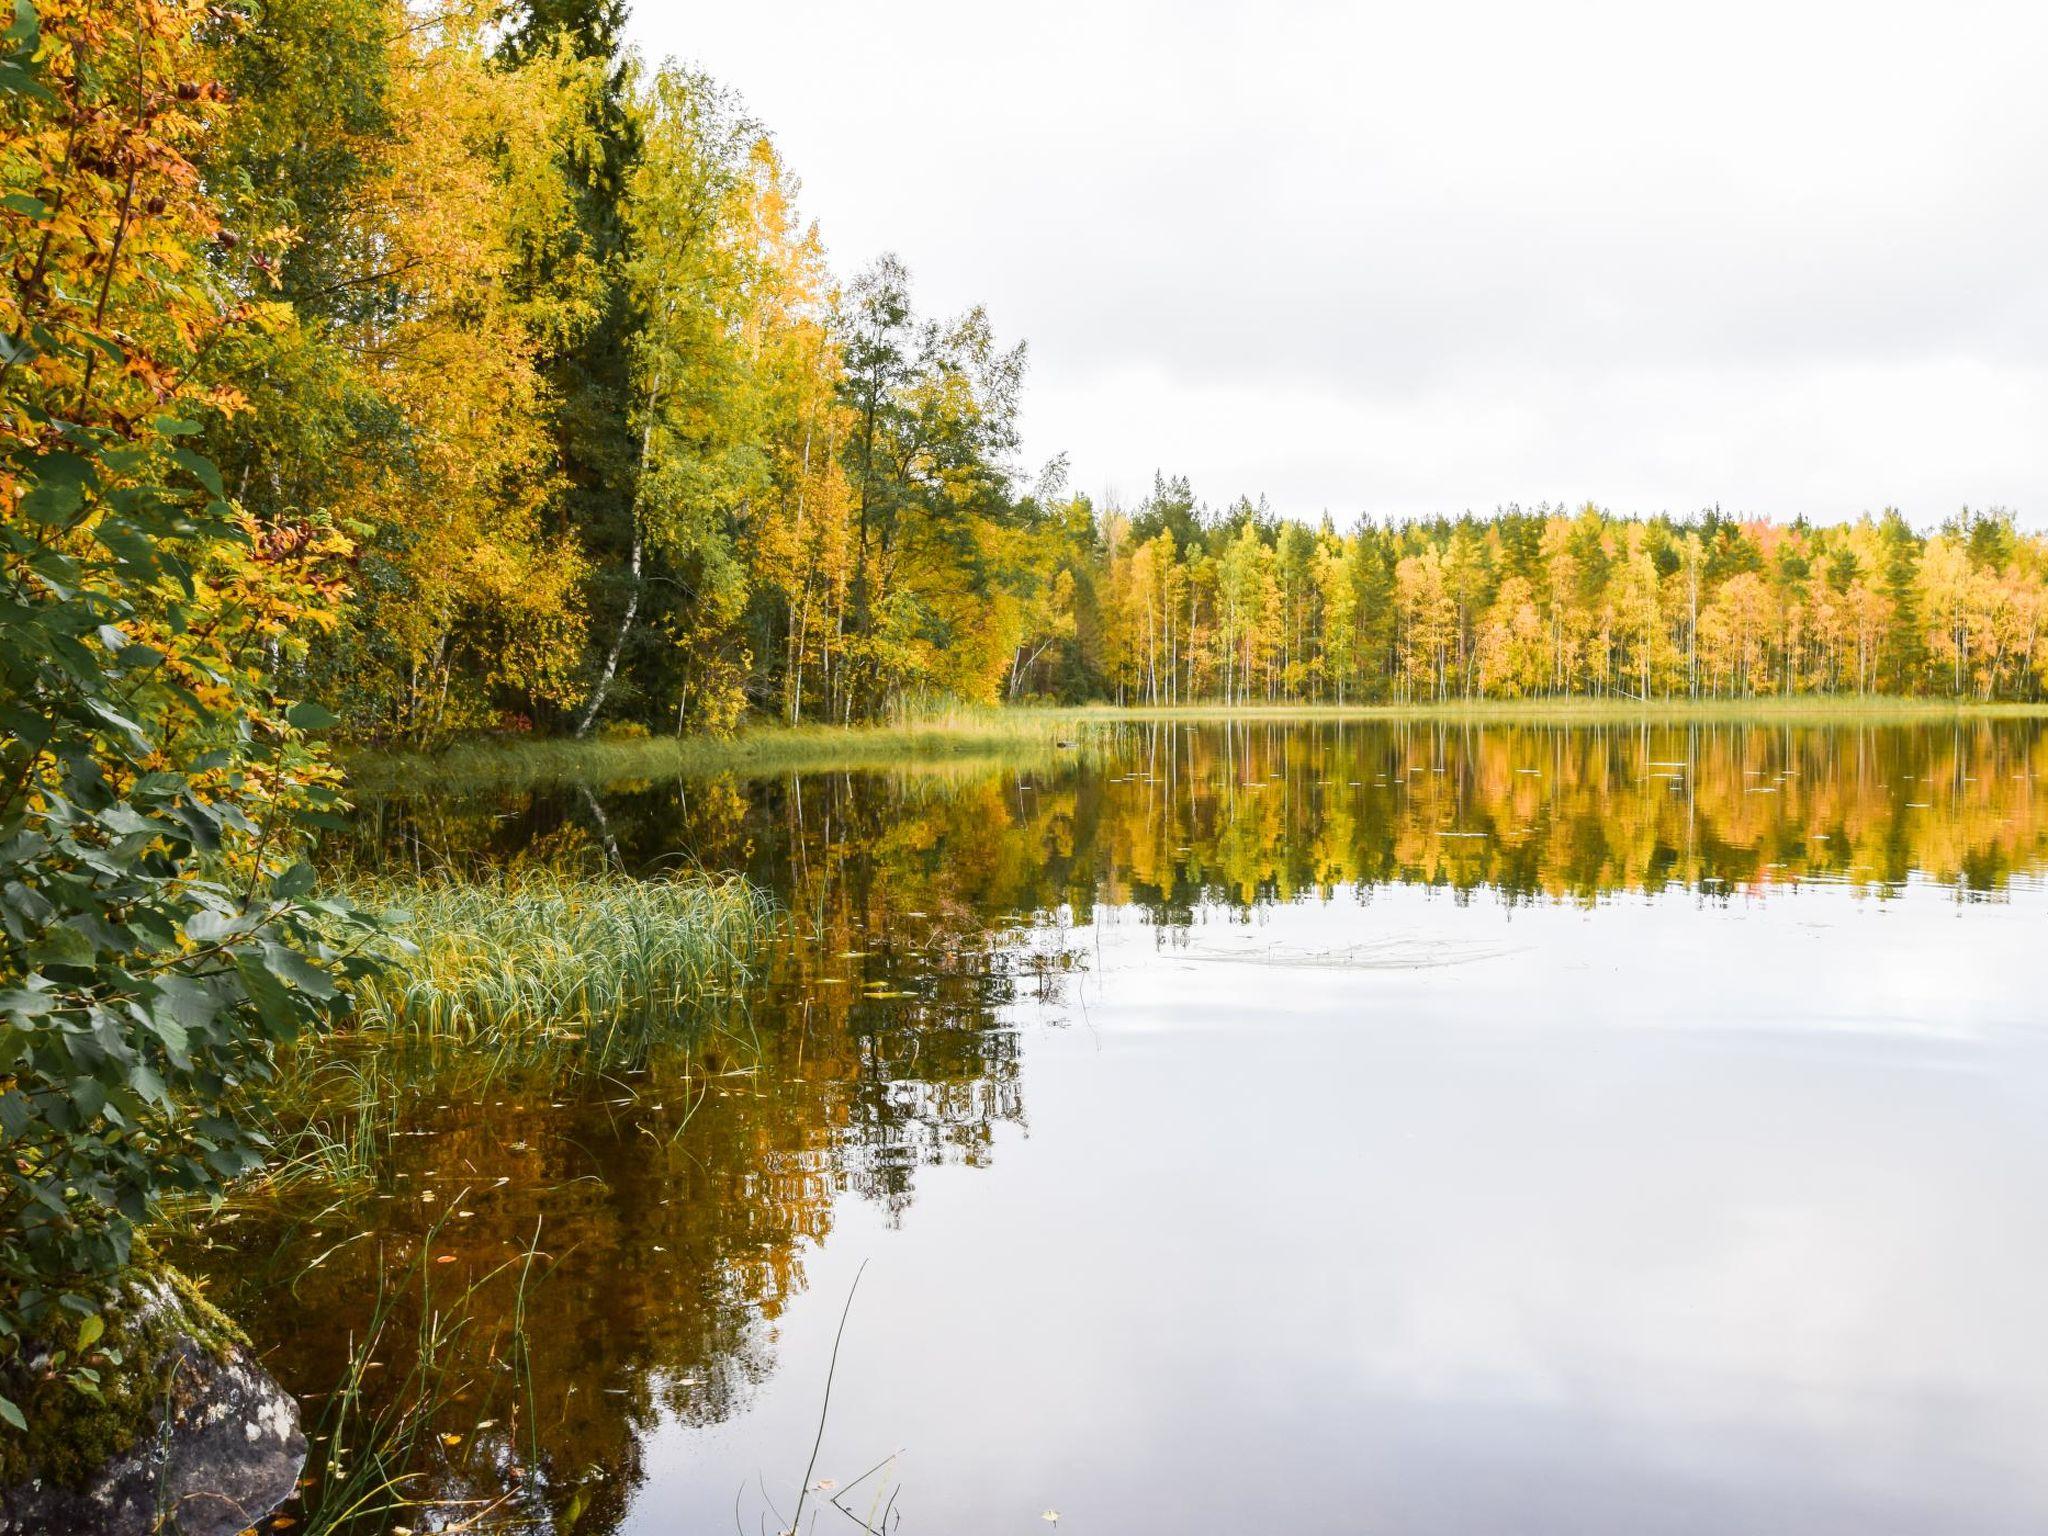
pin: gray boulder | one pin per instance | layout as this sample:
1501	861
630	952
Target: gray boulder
219	1449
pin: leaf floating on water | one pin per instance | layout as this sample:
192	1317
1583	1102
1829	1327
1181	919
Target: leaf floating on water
446	1258
825	1485
451	1439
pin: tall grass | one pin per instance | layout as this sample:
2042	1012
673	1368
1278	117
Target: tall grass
541	956
378	1454
569	975
1578	709
563	975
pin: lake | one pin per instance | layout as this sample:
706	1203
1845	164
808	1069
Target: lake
1364	1127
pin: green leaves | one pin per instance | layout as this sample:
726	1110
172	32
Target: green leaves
156	937
62	944
201	469
18	46
61	482
308	716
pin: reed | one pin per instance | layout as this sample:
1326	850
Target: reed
535	973
382	1459
541	957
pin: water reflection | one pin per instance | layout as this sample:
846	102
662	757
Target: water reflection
1343	1203
1170	817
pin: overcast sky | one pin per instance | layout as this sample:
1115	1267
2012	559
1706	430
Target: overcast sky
1787	257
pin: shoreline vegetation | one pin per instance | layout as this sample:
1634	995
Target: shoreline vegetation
967	736
536	971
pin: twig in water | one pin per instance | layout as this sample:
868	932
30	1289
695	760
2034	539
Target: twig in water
826	1406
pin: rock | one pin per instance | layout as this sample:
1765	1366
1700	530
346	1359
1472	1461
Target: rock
220	1450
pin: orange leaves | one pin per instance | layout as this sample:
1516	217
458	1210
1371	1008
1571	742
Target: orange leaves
104	211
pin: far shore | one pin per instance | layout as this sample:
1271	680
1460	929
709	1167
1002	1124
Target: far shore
967	737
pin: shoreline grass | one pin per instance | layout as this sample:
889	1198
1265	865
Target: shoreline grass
994	736
543	955
565	975
966	737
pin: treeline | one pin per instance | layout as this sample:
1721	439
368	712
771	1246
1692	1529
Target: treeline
1189	605
535	352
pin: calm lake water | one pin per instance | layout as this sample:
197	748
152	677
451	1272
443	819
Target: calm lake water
1405	1130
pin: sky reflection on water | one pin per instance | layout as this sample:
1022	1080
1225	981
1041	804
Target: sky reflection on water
1377	1129
1658	1218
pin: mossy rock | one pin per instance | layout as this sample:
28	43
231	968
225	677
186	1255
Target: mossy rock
189	1434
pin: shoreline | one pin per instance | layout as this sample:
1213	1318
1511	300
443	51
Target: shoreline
971	738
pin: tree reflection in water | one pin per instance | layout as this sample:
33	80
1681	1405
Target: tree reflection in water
675	1196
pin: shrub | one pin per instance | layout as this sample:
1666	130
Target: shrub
159	932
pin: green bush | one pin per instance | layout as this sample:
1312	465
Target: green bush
159	931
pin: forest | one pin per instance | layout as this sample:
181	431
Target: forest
537	368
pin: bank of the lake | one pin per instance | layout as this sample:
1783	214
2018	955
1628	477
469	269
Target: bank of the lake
985	736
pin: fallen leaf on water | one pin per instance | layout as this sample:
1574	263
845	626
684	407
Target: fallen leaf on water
451	1439
446	1258
825	1485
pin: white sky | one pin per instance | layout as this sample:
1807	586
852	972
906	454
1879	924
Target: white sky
1401	258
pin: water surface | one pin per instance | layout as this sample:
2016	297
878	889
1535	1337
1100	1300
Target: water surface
1411	1130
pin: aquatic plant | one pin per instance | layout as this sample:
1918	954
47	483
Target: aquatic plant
544	956
381	1453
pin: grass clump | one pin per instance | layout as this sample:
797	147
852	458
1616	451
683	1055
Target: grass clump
540	955
539	972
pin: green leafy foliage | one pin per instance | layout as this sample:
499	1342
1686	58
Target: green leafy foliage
159	930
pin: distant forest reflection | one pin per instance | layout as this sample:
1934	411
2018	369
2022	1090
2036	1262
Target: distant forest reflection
1168	817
